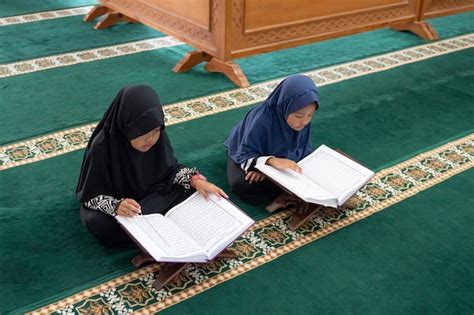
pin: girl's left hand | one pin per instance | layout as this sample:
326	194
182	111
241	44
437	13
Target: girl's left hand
205	188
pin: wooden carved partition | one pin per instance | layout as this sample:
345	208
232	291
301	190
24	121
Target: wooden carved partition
223	30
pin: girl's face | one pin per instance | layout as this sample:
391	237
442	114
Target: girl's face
146	141
299	119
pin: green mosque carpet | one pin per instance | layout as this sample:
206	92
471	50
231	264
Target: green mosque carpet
22	7
400	105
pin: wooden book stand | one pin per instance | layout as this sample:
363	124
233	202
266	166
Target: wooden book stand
303	211
170	271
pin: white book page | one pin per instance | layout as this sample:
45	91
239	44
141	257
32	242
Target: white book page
298	184
335	172
212	224
161	238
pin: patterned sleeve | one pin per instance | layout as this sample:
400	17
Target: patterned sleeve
183	177
249	165
106	204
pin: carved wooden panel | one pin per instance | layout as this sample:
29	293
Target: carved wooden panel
434	8
261	13
247	42
194	11
183	29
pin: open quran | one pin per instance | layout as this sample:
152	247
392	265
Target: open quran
196	230
328	178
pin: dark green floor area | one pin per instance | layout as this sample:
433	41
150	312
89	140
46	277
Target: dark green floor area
59	36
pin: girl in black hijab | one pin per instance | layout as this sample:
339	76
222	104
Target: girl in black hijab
129	167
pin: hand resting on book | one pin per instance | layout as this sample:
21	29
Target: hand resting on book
205	188
329	178
283	164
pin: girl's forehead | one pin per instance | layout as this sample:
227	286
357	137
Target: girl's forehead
307	109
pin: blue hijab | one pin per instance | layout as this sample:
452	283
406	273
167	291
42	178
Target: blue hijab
264	130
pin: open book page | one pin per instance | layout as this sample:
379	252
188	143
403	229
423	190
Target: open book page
212	224
299	185
162	239
335	172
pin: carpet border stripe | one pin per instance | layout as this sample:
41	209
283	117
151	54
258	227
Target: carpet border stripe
43	15
83	56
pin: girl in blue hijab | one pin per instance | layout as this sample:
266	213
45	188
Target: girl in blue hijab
278	131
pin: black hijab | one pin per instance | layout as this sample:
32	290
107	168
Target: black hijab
111	166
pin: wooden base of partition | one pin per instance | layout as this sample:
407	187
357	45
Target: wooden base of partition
229	68
111	17
422	29
190	60
95	12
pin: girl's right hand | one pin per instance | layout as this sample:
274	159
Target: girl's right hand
205	188
254	177
128	208
283	164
